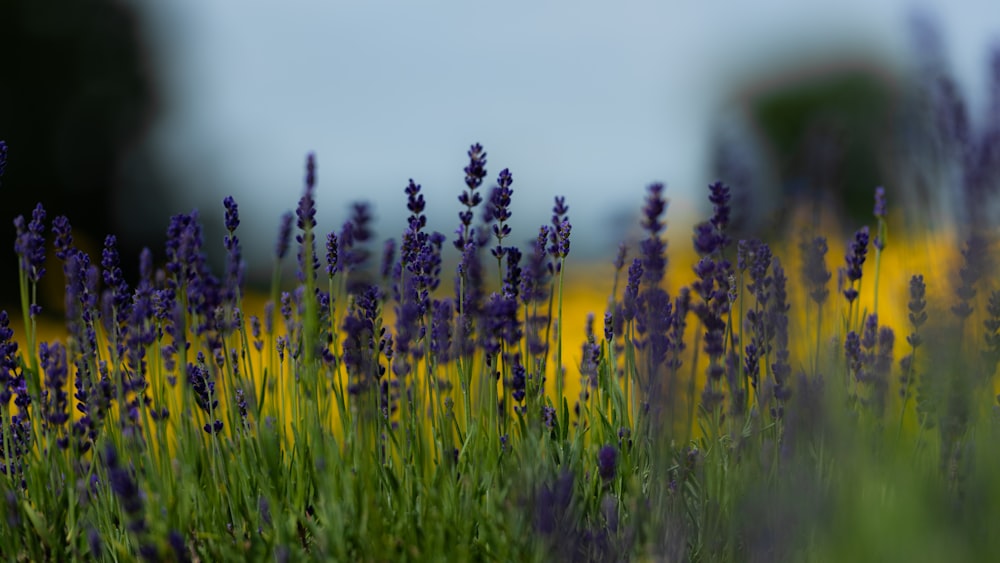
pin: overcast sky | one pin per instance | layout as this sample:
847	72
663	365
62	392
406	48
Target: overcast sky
592	100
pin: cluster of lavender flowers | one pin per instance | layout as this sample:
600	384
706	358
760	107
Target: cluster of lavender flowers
453	376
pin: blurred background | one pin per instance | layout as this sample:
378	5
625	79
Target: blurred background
123	113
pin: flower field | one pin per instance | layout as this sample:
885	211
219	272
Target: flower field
802	399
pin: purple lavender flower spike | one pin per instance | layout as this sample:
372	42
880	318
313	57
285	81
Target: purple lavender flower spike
564	230
415	204
232	216
114	278
814	268
631	297
559	234
918	316
620	256
332	253
441	330
719	197
653	248
976	265
30	243
53	362
284	235
126	489
470	198
388	257
607	462
879	210
8	358
62	236
858	251
499	206
476	170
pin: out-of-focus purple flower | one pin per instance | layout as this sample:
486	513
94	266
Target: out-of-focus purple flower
501	325
146	266
869	336
94	543
883	361
441	330
126	489
879	240
8	358
620	256
255	330
306	222
705	239
53	362
241	404
719	195
653	248
760	261
354	235
177	544
654	209
607	462
548	416
469	294
388	257
710	236
879	210
284	235
30	243
814	268
976	264
512	277
781	369
518	382
750	363
918	316
534	277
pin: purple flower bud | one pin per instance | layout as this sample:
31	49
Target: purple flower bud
856	253
476	170
284	235
607	461
232	216
814	268
62	235
917	302
30	243
879	210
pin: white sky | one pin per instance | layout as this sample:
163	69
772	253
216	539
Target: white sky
588	99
